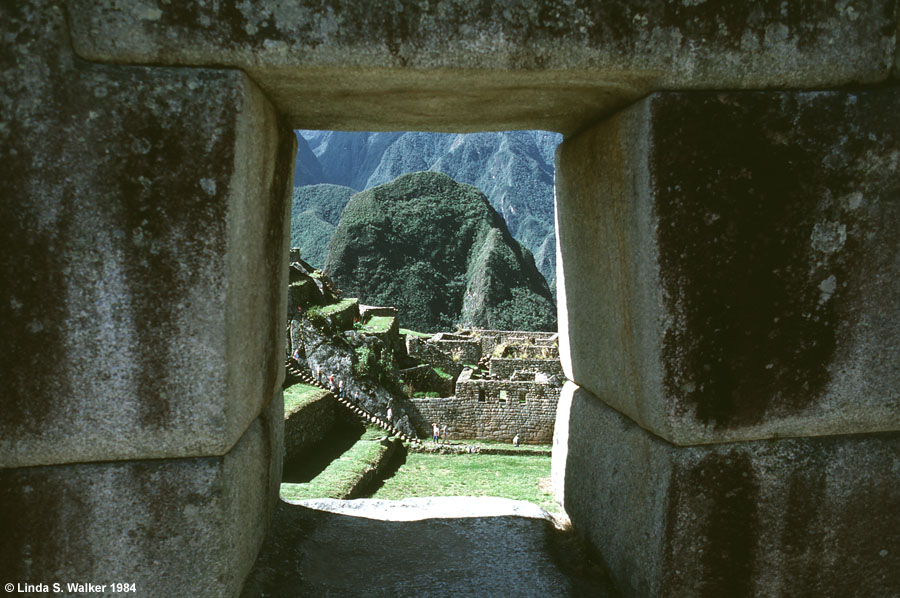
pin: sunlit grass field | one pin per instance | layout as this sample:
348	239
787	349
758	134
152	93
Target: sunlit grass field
508	476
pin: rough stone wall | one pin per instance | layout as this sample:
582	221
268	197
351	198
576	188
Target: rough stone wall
430	352
537	351
460	351
424	378
503	368
495	410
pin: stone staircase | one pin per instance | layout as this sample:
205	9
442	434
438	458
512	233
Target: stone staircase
294	370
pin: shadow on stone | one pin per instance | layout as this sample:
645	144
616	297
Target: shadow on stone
422	547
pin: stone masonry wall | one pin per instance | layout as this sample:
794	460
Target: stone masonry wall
492	410
503	368
460	351
489	339
733	341
144	220
433	353
727	272
538	351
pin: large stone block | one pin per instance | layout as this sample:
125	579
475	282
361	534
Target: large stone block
144	227
462	65
730	266
788	517
172	527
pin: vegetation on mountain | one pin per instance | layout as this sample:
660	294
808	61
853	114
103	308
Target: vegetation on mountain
439	252
315	211
513	168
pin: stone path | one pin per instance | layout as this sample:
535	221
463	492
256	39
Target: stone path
445	546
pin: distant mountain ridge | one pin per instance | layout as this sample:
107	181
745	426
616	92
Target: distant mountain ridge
315	211
439	252
513	168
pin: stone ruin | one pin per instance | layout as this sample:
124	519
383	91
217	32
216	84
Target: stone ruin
501	397
324	349
728	281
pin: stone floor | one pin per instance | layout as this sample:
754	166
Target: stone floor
443	546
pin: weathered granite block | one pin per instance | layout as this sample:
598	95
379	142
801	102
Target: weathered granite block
730	264
788	517
143	223
551	65
173	527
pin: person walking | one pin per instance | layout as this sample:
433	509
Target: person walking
435	433
516	441
443	433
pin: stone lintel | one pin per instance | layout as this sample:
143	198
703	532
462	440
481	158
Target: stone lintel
813	516
467	65
729	263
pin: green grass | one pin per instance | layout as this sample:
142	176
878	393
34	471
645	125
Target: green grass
426	394
500	444
373	433
378	324
440	372
515	477
415	333
340	477
298	395
336	307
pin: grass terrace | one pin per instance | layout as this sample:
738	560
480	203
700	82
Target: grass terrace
343	475
377	324
298	395
340	306
415	333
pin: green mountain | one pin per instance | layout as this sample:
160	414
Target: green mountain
439	252
315	211
513	168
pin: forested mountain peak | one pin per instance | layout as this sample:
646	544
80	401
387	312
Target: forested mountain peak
439	252
513	168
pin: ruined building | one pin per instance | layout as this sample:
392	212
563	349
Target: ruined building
728	273
506	383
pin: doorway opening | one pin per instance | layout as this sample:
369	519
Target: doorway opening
378	220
